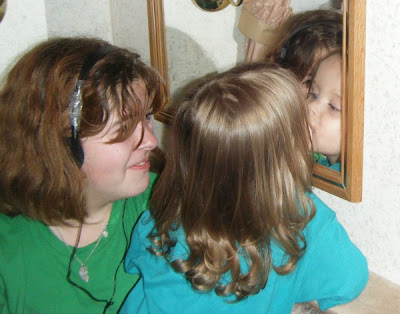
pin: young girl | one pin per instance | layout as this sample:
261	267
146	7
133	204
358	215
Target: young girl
75	143
305	38
300	42
325	108
233	226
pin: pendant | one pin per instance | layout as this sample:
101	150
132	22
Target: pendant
84	273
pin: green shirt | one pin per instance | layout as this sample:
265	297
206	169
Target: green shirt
34	264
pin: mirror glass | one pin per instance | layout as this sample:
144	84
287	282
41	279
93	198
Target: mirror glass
187	46
3	6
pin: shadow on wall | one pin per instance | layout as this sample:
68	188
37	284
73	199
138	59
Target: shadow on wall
187	61
239	38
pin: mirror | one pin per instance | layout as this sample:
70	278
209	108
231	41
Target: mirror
211	5
346	183
215	5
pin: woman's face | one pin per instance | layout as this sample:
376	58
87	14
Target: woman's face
119	170
324	108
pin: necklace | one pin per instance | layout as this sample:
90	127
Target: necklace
83	270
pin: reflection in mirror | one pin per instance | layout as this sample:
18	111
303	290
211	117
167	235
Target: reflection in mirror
215	5
211	5
324	107
344	181
347	183
309	43
3	5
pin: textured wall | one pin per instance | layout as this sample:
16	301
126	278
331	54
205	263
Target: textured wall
23	25
129	24
79	18
200	42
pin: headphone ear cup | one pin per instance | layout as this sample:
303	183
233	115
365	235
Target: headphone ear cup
282	57
76	150
78	154
286	44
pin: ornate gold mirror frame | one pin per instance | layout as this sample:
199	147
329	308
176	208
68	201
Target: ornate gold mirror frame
346	184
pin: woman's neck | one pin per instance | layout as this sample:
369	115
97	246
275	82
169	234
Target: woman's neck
93	227
97	214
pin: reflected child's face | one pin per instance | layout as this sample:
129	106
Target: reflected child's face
307	80
324	108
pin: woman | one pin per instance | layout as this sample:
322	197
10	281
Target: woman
76	137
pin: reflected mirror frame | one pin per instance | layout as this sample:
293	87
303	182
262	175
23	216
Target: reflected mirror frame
346	184
221	6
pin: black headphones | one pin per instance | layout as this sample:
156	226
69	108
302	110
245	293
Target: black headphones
75	105
287	42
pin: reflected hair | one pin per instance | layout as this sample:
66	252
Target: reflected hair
238	167
39	176
304	38
336	52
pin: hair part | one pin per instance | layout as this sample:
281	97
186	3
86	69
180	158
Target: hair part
39	176
238	167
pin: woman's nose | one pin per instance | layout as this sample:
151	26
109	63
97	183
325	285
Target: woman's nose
149	140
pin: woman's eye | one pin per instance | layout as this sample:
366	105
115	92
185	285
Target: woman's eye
149	116
334	108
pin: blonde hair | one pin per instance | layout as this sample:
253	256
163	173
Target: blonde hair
237	172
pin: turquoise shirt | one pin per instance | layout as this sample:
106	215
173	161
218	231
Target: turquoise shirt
325	162
332	271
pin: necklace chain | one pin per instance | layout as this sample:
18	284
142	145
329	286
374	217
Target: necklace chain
83	270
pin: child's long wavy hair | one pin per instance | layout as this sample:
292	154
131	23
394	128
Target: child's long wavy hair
39	177
237	172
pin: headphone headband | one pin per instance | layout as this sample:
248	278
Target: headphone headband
294	33
93	58
75	105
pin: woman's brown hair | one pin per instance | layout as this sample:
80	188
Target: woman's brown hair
307	36
39	176
238	168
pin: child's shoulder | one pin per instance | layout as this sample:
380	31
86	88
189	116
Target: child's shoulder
332	265
323	215
324	225
145	224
